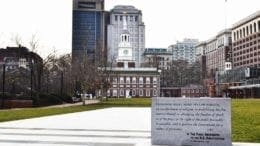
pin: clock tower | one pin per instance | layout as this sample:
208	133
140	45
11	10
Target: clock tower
125	51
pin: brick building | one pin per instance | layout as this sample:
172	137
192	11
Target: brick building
246	42
134	82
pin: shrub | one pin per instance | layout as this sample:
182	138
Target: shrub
49	99
64	97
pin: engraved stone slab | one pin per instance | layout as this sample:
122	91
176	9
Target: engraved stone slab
191	121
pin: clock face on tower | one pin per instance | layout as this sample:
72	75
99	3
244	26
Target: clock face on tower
125	52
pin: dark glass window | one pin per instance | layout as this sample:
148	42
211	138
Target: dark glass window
136	18
121	18
87	5
115	17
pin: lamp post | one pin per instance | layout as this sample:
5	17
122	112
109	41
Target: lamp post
61	83
31	62
3	86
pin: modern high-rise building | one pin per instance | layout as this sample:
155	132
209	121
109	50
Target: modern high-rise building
135	27
184	50
89	29
246	42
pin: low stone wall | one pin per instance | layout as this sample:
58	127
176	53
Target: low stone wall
18	103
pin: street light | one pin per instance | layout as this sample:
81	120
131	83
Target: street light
3	85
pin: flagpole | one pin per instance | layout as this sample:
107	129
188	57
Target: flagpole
225	13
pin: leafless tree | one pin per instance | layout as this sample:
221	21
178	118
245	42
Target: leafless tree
182	73
17	39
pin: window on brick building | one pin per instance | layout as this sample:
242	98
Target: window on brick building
141	80
254	27
128	80
154	92
114	92
147	80
148	92
244	32
250	28
121	92
247	30
121	80
133	92
258	26
114	80
134	80
141	92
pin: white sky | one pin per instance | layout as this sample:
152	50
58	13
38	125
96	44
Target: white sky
166	20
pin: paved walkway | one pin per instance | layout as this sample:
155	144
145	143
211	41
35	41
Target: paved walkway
74	104
104	127
87	102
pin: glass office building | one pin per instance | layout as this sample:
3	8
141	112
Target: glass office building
88	32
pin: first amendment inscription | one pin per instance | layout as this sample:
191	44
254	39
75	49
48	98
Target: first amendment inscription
191	121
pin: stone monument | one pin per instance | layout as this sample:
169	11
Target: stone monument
191	121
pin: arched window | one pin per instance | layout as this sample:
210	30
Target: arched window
247	31
250	28
125	38
244	32
258	26
254	27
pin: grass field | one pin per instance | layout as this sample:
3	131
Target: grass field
245	114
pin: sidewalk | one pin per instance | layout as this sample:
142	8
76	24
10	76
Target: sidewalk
87	102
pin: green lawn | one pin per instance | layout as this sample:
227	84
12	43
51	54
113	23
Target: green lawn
245	114
246	120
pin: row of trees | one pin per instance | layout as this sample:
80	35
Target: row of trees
180	73
57	74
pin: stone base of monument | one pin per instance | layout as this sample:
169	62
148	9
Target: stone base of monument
105	127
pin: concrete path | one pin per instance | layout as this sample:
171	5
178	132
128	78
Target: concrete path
104	127
74	104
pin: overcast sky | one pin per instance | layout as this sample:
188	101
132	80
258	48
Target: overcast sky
166	20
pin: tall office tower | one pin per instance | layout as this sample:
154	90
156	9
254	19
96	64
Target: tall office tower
246	42
88	33
135	27
184	50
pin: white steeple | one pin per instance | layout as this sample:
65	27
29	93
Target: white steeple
125	50
124	23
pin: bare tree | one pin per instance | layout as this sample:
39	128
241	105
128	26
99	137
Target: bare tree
17	39
182	73
34	43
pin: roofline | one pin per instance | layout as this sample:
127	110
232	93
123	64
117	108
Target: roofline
246	20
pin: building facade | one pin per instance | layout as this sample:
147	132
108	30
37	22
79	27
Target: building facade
134	82
135	27
88	32
158	57
128	79
184	50
19	57
218	53
23	70
246	42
